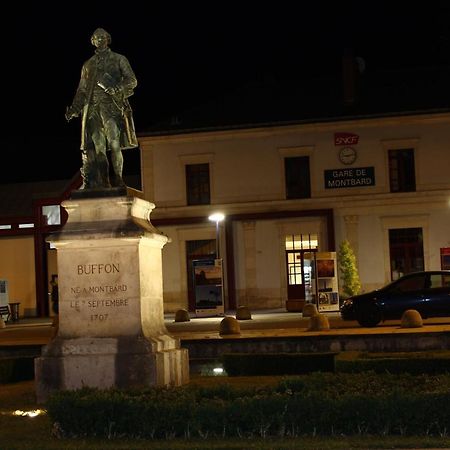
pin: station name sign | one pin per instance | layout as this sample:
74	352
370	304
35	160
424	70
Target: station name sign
345	178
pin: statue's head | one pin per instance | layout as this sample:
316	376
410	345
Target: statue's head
100	32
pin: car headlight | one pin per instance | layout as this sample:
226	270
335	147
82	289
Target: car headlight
348	302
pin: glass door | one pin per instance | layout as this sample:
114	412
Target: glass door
296	285
299	249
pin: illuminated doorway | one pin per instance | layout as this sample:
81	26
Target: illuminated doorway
299	265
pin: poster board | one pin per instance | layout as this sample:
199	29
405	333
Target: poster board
445	258
4	295
327	291
208	287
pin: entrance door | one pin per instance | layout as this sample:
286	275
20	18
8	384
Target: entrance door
298	264
296	282
197	250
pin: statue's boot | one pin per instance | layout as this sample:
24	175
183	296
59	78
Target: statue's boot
88	171
117	180
103	171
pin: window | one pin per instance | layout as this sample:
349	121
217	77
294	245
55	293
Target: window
51	214
438	280
197	184
297	177
406	251
302	242
295	246
402	170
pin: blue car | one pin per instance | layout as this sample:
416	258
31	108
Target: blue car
427	292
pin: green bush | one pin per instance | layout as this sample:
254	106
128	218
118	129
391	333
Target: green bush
350	284
323	403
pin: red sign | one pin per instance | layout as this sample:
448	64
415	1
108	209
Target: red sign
445	258
345	139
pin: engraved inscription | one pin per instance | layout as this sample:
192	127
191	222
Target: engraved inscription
98	299
97	269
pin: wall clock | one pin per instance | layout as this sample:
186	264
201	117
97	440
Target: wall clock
347	155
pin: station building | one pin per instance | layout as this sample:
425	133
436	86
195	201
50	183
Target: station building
295	169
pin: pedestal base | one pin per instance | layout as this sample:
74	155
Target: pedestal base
69	364
111	315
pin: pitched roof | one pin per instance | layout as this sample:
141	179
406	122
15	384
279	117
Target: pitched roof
16	199
269	102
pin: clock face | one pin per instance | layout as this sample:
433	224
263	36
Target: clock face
347	155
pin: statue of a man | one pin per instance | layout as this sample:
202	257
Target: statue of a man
107	81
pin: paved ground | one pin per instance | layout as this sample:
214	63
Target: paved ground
263	324
282	323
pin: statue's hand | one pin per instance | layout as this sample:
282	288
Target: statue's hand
70	114
112	90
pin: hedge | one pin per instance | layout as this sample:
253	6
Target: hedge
307	405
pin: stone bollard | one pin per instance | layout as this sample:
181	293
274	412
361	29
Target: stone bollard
229	325
182	315
411	318
243	313
319	322
309	310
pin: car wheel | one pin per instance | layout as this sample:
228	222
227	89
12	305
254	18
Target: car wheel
369	316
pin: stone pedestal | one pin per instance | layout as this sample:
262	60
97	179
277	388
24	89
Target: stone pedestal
111	325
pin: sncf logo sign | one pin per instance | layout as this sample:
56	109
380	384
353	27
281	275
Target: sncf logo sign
345	139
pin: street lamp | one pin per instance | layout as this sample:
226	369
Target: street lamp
217	217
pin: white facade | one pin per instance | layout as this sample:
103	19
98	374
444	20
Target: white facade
247	184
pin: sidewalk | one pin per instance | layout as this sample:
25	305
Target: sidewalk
276	323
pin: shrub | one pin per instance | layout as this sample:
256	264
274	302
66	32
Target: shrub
324	404
349	271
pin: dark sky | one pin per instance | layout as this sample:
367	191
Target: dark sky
185	53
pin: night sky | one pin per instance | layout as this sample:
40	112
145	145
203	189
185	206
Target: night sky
185	54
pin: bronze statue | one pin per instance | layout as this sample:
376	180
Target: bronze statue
107	81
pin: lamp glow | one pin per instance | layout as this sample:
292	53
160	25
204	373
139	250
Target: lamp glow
32	413
216	217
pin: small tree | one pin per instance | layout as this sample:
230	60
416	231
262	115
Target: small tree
349	272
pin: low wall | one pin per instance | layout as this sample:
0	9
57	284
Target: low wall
406	342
